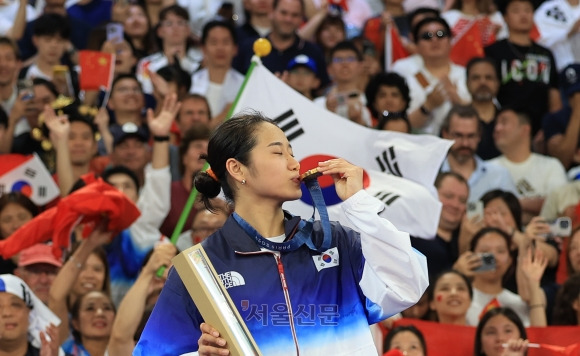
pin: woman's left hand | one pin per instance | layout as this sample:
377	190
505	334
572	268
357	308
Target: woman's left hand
348	178
516	348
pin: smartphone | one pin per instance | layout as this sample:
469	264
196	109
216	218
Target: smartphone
27	87
561	227
474	209
487	262
115	32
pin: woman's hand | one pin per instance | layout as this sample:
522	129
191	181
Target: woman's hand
467	263
516	348
49	341
210	343
348	178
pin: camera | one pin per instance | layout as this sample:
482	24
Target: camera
487	262
561	227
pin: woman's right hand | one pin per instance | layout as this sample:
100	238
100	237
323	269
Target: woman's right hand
515	347
210	343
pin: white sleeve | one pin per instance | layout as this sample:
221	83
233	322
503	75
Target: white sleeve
154	203
552	23
395	274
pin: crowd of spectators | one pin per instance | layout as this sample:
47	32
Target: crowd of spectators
511	108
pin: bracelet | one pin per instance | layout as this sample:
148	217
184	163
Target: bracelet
424	110
161	138
77	263
537	306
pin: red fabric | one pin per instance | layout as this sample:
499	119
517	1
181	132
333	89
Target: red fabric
494	303
87	206
96	68
467	46
11	161
374	31
393	352
535	33
397	49
459	340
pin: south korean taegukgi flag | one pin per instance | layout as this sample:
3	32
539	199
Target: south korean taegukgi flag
317	134
28	175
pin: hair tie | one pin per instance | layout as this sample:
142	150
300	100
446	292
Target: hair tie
210	173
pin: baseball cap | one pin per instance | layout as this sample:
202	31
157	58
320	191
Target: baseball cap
129	129
39	253
303	60
570	79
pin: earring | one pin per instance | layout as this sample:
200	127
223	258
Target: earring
243	181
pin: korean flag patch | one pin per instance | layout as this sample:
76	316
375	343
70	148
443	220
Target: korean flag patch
327	259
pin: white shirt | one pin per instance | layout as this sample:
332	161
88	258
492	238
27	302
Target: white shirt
189	63
537	176
342	110
453	16
505	299
8	14
203	11
200	84
554	20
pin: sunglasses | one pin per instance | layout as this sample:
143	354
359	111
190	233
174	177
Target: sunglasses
427	36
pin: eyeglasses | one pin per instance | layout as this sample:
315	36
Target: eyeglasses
349	59
427	36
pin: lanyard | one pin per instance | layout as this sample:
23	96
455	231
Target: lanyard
304	233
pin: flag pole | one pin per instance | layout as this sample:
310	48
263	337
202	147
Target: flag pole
193	195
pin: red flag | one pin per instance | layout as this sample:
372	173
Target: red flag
340	3
394	49
96	70
494	303
87	205
535	33
467	44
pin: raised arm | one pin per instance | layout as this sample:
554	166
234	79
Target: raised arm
59	128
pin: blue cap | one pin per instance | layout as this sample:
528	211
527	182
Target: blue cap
303	60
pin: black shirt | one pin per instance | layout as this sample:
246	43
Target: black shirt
440	254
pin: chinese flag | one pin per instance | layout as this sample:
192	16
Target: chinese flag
467	45
535	33
394	49
96	70
494	303
340	3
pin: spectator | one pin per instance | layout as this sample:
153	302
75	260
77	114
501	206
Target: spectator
512	136
130	150
13	18
326	29
567	307
92	317
193	145
573	255
126	101
204	224
173	30
408	339
497	327
15	210
561	128
286	45
201	12
387	92
8	73
528	71
397	122
558	23
450	297
562	202
258	23
370	64
483	85
138	30
353	12
37	267
78	37
438	83
303	75
442	251
194	109
344	98
91	12
218	81
33	324
462	125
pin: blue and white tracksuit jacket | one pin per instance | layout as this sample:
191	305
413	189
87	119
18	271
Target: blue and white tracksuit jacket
331	297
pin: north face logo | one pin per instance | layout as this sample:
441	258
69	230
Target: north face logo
232	279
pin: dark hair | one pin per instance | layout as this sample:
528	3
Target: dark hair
431	291
19	199
51	25
47	84
173	73
196	133
216	23
488	230
235	138
120	170
441	176
477	60
427	21
76	309
10	43
175	10
3	118
399	329
564	312
390	79
522	115
464	112
124	76
329	20
509	314
502	5
345	46
387	117
421	11
510	200
569	266
199	97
